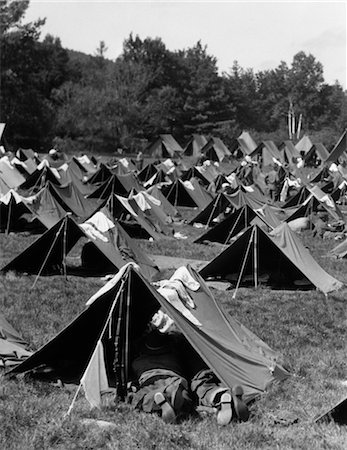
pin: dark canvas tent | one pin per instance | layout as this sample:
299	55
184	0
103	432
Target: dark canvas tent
165	146
216	207
194	145
125	306
13	348
289	152
304	145
316	155
187	193
215	150
72	200
233	224
106	250
38	180
268	152
16	215
339	151
317	199
278	259
135	223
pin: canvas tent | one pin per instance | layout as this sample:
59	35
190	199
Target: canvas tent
277	259
304	145
194	145
125	306
234	223
187	193
215	150
339	151
217	206
165	146
16	214
108	247
13	348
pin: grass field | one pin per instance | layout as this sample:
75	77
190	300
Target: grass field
307	329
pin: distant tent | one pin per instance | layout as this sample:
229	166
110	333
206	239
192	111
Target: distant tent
9	175
247	196
208	171
215	150
217	206
194	145
112	185
16	215
101	175
68	176
268	152
304	145
135	223
25	153
187	193
38	179
233	224
244	145
107	249
13	348
167	207
147	172
71	199
165	146
316	155
317	198
289	152
277	259
339	151
124	308
194	173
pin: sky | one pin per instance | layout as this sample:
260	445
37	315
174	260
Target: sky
259	35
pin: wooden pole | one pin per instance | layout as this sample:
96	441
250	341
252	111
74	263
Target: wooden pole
255	253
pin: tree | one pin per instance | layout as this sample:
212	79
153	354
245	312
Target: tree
30	70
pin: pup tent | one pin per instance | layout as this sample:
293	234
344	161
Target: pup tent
236	222
16	215
277	259
13	348
165	146
187	193
219	205
117	316
136	223
337	414
107	247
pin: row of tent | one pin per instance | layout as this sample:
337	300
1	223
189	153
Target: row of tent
214	149
86	191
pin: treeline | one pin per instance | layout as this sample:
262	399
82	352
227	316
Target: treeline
52	96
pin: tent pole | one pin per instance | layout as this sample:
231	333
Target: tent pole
243	265
255	258
9	215
48	254
64	249
100	337
212	212
127	324
232	229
